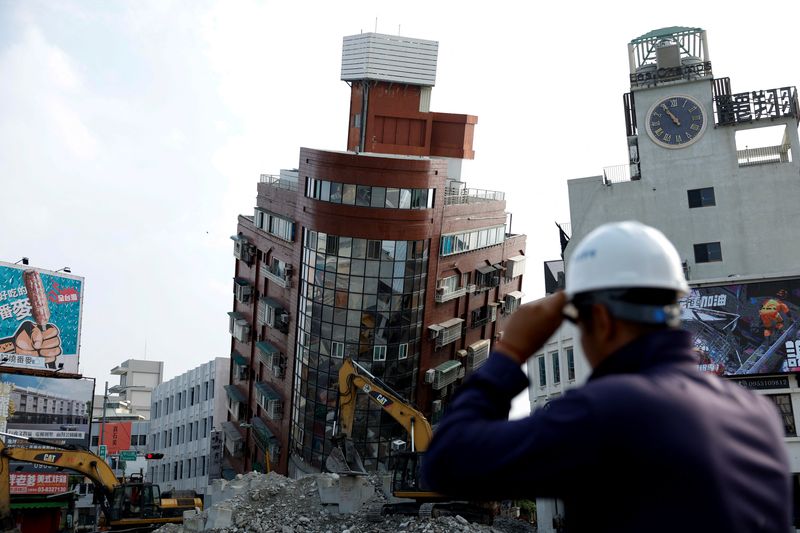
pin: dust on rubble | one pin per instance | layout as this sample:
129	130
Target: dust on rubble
272	503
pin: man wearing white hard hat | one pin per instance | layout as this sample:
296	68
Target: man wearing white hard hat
649	443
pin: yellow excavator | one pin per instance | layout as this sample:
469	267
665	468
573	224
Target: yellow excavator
133	505
405	465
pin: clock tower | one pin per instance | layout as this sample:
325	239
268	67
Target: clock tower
689	173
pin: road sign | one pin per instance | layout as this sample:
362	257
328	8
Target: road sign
103	451
127	455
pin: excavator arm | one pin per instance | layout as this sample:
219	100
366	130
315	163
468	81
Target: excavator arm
354	378
79	461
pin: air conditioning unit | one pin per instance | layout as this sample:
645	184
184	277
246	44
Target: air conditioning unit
242	373
434	331
436	406
430	375
284	318
278	371
398	445
440	291
478	353
288	271
461	353
472	288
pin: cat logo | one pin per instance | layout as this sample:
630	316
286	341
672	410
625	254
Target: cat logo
48	457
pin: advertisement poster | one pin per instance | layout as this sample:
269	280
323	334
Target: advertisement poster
53	409
40	318
38	483
116	436
745	329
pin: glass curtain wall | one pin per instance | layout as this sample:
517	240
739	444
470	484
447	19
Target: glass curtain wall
361	299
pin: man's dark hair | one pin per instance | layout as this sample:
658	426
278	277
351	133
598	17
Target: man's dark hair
639	296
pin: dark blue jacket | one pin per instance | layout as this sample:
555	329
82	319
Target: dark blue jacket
649	444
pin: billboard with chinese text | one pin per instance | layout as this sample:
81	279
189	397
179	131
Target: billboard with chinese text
49	408
40	318
746	328
116	436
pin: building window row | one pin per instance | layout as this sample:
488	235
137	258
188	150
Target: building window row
181	469
183	399
276	225
456	243
369	196
182	434
554	373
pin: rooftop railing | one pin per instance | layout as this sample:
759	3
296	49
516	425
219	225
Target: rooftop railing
467	196
763	155
621	173
290	184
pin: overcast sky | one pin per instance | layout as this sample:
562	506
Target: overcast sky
133	133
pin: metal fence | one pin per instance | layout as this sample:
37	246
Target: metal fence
466	196
289	184
621	173
763	155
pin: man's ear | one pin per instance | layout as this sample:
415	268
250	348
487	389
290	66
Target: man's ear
604	323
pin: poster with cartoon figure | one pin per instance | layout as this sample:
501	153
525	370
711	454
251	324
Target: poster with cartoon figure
747	328
40	318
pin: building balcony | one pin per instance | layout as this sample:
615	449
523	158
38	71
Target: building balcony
470	196
763	155
621	173
279	182
443	295
282	279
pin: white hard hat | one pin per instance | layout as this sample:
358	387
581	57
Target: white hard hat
625	255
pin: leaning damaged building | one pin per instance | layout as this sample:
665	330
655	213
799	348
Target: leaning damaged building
380	253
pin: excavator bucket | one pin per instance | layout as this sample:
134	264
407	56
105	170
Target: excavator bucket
344	458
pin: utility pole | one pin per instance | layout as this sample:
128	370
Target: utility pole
100	443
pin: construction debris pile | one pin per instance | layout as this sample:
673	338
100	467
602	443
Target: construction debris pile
270	503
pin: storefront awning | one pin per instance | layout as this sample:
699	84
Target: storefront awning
272	302
231	432
266	389
266	348
238	358
448	366
262	431
452	322
235	394
38	505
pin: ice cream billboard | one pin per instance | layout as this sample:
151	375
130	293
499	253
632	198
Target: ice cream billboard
745	328
40	318
54	409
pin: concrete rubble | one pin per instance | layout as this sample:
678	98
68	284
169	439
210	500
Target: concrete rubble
270	503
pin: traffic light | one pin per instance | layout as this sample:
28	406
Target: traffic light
154	456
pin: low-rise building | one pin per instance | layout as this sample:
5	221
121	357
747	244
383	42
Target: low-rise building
186	412
137	379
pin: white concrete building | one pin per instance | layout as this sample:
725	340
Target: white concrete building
137	379
719	173
185	412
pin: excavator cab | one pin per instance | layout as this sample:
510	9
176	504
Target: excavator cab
406	478
135	499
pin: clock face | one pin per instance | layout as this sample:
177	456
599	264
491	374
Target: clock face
676	121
